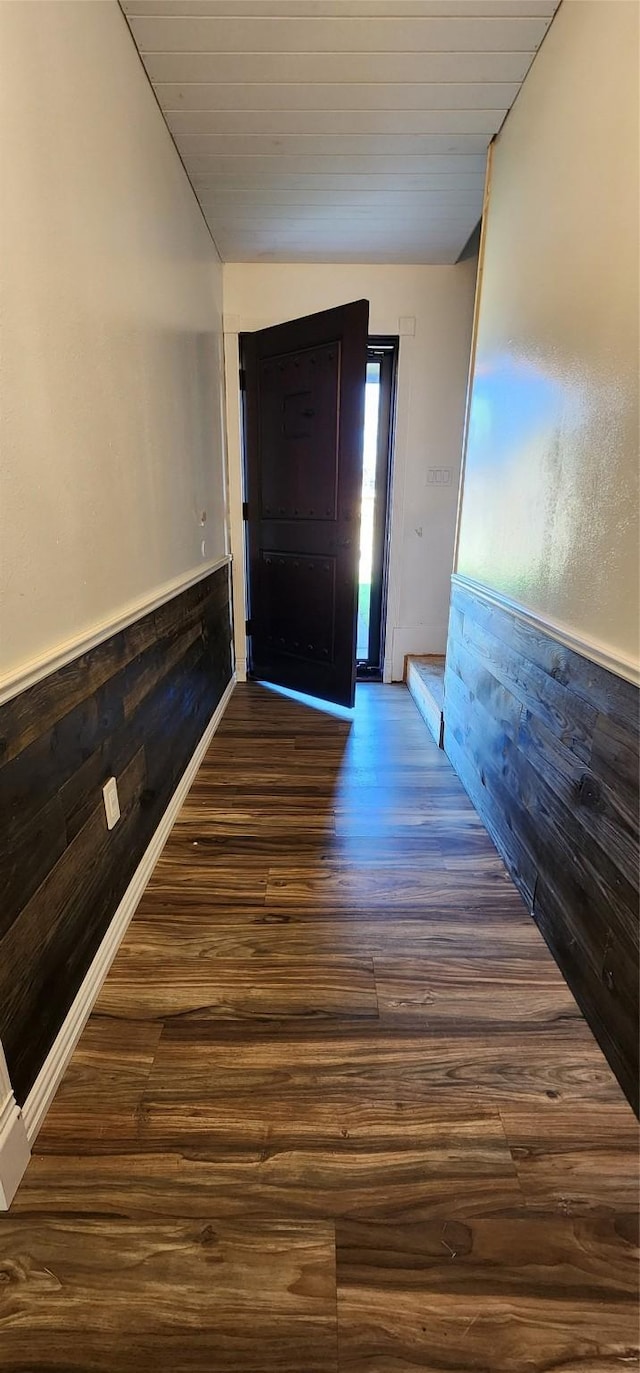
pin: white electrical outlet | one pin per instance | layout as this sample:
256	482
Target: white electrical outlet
111	802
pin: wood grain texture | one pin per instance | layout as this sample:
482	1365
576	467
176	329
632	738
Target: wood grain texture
133	1295
452	992
575	1160
134	707
336	1108
184	990
485	1294
546	744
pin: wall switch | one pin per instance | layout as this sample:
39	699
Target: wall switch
111	802
407	325
439	476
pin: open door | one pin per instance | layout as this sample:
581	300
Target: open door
304	419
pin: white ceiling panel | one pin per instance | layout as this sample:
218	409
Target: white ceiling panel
337	130
258	68
282	125
193	33
314	198
359	181
341	163
357	220
350	9
324	150
410	99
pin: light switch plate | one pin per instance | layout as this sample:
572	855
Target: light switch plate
111	802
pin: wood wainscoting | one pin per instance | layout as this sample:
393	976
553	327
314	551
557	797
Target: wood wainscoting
546	744
134	707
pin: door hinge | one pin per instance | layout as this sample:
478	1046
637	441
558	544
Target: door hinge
242	375
247	627
245	510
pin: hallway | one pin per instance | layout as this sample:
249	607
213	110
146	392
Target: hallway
335	1109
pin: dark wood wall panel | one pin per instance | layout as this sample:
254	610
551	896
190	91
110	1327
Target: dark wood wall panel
134	707
546	744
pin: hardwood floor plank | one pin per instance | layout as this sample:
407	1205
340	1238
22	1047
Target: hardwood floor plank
504	1295
306	1183
460	1138
577	1160
173	1294
473	992
339	886
237	816
557	1062
224	885
266	849
188	925
102	1088
168	990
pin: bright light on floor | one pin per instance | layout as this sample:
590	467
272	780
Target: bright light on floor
313	702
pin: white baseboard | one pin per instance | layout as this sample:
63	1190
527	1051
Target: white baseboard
48	1079
14	1145
14	1151
415	639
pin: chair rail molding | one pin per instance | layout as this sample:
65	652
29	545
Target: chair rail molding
25	676
602	654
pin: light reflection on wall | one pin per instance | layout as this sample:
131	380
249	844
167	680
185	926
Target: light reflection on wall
532	443
550	506
516	409
514	404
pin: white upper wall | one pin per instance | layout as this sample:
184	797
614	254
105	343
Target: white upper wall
550	507
432	378
111	438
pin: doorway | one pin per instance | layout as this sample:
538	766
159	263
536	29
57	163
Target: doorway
303	384
379	410
317	560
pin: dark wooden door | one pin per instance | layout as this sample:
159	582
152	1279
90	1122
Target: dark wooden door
304	417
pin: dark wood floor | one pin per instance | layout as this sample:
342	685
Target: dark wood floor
336	1109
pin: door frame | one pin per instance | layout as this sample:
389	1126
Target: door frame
233	326
388	346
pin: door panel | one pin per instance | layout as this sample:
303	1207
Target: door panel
304	413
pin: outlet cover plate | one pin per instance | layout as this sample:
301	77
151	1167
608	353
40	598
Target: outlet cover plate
111	802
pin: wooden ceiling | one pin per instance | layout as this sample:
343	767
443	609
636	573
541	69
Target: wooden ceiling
337	130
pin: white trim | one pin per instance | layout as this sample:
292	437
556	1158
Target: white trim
235	499
48	1079
14	1145
474	348
5	1081
19	679
602	654
396	509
